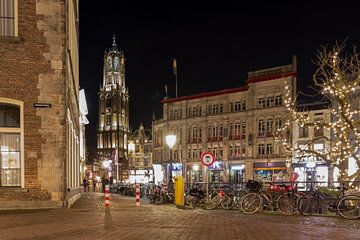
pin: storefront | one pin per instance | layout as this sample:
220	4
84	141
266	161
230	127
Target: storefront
177	170
216	172
237	173
193	173
311	172
267	171
141	176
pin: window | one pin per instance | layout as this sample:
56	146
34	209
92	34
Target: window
318	131
269	149
237	106
11	147
261	149
231	107
8	18
261	127
244	105
278	100
303	132
270	126
261	103
269	101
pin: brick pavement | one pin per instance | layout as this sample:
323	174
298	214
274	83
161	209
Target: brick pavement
88	219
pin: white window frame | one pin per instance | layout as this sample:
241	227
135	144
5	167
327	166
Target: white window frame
17	130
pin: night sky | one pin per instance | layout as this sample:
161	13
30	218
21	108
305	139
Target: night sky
215	45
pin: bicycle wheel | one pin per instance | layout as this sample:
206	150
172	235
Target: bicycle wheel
159	200
287	203
251	203
228	202
213	203
349	207
308	204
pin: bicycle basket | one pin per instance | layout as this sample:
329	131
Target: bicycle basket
253	185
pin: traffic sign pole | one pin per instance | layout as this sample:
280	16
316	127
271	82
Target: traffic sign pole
207	159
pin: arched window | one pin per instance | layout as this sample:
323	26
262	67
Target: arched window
109	64
11	143
116	64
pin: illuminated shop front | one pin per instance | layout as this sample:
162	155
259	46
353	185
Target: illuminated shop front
141	176
216	172
237	173
193	173
268	170
311	171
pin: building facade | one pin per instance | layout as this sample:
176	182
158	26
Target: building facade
140	156
39	104
309	167
236	125
82	139
113	128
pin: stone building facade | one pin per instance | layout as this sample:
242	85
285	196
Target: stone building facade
39	108
113	128
140	155
236	125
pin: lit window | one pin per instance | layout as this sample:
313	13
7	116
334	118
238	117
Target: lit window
10	145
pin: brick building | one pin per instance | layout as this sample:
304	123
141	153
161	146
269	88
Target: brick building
39	103
236	125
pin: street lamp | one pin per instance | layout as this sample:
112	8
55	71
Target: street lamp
170	141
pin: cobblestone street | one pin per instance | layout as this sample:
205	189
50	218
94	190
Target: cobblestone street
89	220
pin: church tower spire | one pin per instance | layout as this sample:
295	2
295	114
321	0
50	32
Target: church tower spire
113	125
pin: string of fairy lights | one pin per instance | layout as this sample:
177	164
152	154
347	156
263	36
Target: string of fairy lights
338	79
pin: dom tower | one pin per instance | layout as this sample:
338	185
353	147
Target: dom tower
113	115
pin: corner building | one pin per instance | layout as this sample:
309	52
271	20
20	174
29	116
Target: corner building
39	104
236	125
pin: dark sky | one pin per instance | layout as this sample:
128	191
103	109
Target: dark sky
215	45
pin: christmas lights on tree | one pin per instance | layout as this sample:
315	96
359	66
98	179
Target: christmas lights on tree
336	79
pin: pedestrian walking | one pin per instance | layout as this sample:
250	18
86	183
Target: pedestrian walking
85	183
94	184
104	181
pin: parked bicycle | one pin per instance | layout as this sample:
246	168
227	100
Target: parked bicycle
345	205
286	198
195	196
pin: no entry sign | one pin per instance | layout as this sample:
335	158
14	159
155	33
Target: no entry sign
207	158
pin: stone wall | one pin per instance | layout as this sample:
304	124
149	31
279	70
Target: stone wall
32	71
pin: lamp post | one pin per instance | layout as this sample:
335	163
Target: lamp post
170	141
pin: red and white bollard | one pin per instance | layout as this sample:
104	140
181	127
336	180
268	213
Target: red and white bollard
107	196
137	195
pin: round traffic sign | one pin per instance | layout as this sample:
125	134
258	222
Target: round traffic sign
207	158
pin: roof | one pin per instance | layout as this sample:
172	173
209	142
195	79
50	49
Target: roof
231	90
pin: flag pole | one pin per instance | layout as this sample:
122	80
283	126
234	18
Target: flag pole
176	79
